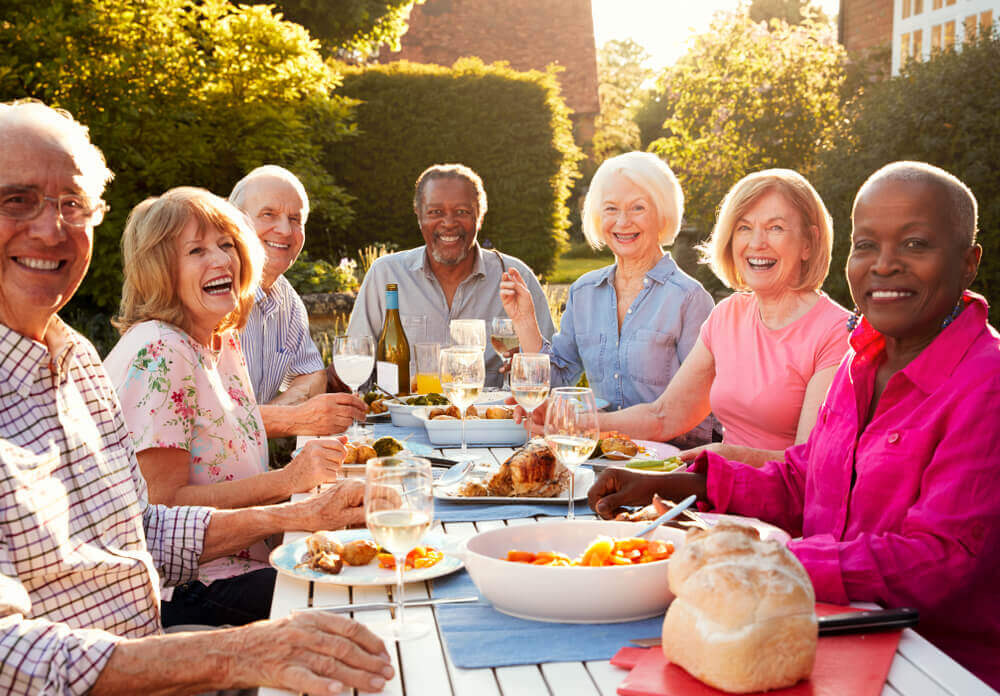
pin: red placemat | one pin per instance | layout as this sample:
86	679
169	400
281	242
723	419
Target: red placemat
856	665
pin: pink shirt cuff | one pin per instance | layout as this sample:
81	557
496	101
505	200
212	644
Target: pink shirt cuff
720	481
821	559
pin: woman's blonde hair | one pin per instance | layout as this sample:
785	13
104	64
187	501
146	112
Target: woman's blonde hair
653	176
150	259
817	226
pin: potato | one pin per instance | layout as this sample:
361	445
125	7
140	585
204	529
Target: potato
498	413
350	454
365	452
444	416
359	552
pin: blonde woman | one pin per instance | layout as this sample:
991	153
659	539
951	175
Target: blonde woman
629	326
191	268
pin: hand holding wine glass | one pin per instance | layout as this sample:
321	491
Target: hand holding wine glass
571	429
354	360
463	373
399	509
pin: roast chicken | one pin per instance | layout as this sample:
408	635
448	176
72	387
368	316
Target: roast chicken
531	472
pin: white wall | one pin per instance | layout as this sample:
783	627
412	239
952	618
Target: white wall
929	18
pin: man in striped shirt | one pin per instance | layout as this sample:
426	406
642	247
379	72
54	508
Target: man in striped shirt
276	342
81	549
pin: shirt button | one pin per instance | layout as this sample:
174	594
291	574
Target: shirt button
629	311
893	438
645	281
616	375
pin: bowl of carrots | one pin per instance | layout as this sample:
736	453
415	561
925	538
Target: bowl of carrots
573	571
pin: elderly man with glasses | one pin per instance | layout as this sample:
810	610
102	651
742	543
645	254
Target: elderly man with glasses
82	552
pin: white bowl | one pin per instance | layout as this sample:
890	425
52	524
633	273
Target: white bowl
567	594
402	415
478	431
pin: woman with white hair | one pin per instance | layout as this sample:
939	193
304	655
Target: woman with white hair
630	325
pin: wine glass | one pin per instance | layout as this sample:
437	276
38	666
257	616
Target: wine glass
354	360
399	509
571	429
504	338
463	373
529	380
468	332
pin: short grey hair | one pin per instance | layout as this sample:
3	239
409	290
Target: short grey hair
649	173
451	171
269	171
58	126
963	210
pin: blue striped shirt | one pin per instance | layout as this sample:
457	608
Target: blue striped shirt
276	340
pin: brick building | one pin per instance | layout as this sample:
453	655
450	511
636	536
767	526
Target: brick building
914	29
529	34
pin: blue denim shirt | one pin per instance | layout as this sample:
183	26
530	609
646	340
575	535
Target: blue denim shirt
659	330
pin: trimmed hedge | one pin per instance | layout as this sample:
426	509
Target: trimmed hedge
512	128
945	112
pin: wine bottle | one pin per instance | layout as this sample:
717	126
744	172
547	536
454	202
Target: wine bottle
393	354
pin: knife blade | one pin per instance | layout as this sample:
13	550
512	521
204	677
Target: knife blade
339	608
847	623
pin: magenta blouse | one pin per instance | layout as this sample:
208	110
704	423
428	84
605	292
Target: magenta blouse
906	510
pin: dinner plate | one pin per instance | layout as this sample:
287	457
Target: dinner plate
582	481
287	556
648	450
767	530
417	448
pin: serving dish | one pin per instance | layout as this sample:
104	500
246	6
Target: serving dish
567	594
287	556
583	479
478	431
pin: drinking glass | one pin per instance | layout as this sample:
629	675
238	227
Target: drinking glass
354	360
415	328
529	380
428	372
468	332
399	509
504	338
571	429
463	373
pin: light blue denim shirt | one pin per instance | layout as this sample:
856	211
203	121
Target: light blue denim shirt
659	330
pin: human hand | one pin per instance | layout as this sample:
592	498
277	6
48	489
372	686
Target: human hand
536	424
311	652
505	367
339	506
326	414
616	487
689	455
320	461
516	298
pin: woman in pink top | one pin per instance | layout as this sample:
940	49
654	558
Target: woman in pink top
766	355
191	268
896	495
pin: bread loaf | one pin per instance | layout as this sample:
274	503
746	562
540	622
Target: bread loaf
744	617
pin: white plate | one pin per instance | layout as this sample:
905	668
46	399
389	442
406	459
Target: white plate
767	530
478	431
582	481
287	556
650	450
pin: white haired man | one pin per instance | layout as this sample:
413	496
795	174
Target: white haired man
82	551
276	341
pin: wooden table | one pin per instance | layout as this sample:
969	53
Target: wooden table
423	667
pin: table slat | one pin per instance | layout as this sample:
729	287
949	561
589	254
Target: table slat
569	679
522	680
607	677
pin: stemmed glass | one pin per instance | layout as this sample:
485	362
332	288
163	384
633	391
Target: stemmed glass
529	380
468	332
504	338
571	429
354	360
399	509
463	373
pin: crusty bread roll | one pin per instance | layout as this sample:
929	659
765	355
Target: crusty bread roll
744	618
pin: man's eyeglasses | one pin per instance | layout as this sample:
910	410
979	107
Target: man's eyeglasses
74	210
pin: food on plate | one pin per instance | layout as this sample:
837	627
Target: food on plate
531	472
420	557
451	413
655	464
375	402
387	446
603	551
444	416
473	489
323	552
359	552
358	452
432	399
744	615
613	441
499	413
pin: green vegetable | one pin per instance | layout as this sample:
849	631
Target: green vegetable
655	464
387	446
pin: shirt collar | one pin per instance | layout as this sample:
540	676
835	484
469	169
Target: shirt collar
938	361
659	273
420	262
21	357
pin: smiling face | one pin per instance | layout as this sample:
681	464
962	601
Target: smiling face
276	210
449	219
630	223
43	260
908	265
769	244
207	276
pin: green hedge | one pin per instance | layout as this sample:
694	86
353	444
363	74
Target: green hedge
513	128
945	112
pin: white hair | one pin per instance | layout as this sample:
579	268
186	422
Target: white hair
59	127
269	171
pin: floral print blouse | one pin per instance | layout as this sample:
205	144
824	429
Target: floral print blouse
176	393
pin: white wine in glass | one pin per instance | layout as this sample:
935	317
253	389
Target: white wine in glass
571	429
463	372
354	360
504	338
529	380
399	509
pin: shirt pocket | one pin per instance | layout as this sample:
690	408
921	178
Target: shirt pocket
651	357
592	347
891	463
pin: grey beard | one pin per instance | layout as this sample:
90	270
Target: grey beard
448	262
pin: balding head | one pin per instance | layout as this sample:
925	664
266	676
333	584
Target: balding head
266	176
958	199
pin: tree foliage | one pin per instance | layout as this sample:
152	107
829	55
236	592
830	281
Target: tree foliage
790	11
622	70
945	112
352	26
193	92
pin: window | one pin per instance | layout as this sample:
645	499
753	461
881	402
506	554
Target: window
970	28
918	6
949	2
935	39
986	22
918	44
949	35
906	8
904	49
936	5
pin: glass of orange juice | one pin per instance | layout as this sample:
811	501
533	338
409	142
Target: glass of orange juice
428	377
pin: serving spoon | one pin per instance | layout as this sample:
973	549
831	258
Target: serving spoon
669	515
